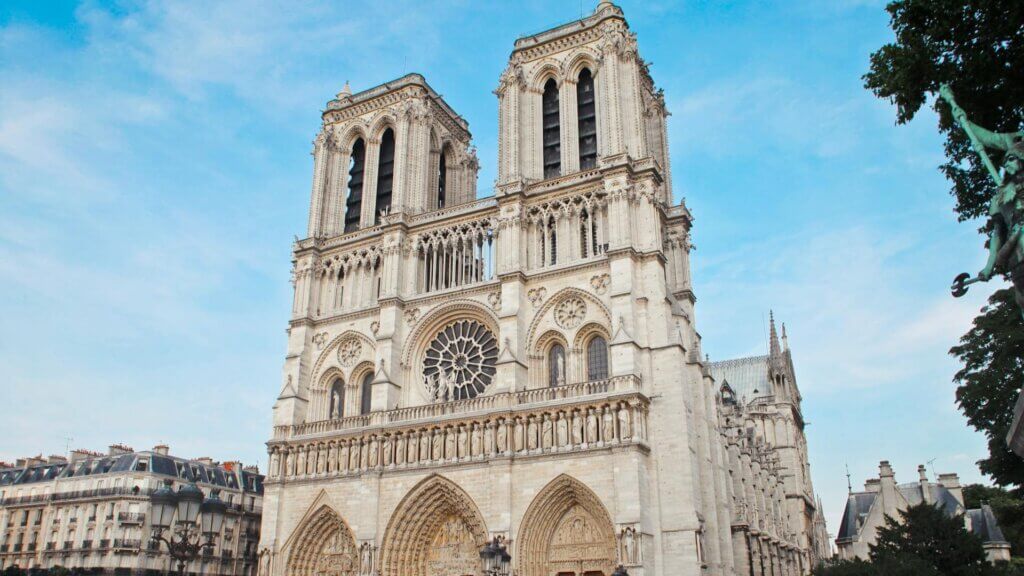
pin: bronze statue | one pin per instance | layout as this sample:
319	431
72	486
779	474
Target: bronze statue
1006	209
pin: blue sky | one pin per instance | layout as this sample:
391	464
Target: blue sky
154	168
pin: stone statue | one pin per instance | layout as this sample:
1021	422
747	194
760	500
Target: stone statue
563	431
624	431
502	437
591	426
1006	208
608	425
577	428
547	433
560	368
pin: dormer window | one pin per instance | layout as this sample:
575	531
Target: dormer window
385	173
586	117
354	203
552	131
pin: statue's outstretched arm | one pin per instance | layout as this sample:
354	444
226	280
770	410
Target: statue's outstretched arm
995	242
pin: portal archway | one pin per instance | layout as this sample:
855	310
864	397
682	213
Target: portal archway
436	530
324	546
566	530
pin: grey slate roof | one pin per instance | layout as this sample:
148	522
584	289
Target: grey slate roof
984	524
858	505
748	377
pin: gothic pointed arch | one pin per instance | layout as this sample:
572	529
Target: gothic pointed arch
566	529
594	311
342	354
436	529
322	545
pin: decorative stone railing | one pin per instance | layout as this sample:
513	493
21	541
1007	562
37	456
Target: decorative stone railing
576	417
479	404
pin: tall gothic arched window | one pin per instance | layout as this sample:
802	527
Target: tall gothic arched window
556	365
366	392
552	131
597	359
337	399
442	179
586	117
354	203
385	172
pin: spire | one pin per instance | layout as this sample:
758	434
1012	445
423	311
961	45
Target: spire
773	344
346	91
785	339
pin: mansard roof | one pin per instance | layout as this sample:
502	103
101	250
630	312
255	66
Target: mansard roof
136	462
748	377
858	506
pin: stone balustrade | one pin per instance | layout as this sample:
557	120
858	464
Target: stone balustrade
574	417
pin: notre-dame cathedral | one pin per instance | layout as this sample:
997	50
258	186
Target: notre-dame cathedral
514	384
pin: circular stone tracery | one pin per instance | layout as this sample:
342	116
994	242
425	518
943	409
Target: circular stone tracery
570	312
349	350
459	362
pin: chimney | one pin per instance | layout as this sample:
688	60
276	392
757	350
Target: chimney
161	449
118	449
873	485
890	503
56	459
205	460
922	473
253	469
20	462
952	483
34	460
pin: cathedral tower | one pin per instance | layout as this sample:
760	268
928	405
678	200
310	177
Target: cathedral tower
520	369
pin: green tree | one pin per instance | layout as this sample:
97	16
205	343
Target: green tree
925	540
976	46
992	354
855	567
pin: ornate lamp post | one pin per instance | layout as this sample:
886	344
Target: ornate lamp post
496	558
186	543
620	571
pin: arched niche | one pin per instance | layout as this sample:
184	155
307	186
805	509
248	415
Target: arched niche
436	530
322	545
566	529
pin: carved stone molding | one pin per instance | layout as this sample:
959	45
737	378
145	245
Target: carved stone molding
600	283
536	296
320	338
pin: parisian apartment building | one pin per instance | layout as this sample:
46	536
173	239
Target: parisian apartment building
521	369
90	511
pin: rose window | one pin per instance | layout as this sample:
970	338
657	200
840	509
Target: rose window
459	363
570	312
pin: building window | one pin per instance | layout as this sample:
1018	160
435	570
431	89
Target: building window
552	133
586	114
597	359
367	391
556	365
337	399
442	179
354	203
385	173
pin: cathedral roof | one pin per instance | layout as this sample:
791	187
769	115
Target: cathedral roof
748	377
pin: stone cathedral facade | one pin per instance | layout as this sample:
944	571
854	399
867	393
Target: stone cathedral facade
522	367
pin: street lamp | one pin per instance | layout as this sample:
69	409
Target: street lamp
496	558
186	543
620	571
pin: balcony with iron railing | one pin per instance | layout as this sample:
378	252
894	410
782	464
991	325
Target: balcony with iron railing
131	517
86	544
31	547
127	544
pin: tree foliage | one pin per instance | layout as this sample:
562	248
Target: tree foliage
923	541
976	46
992	354
930	540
